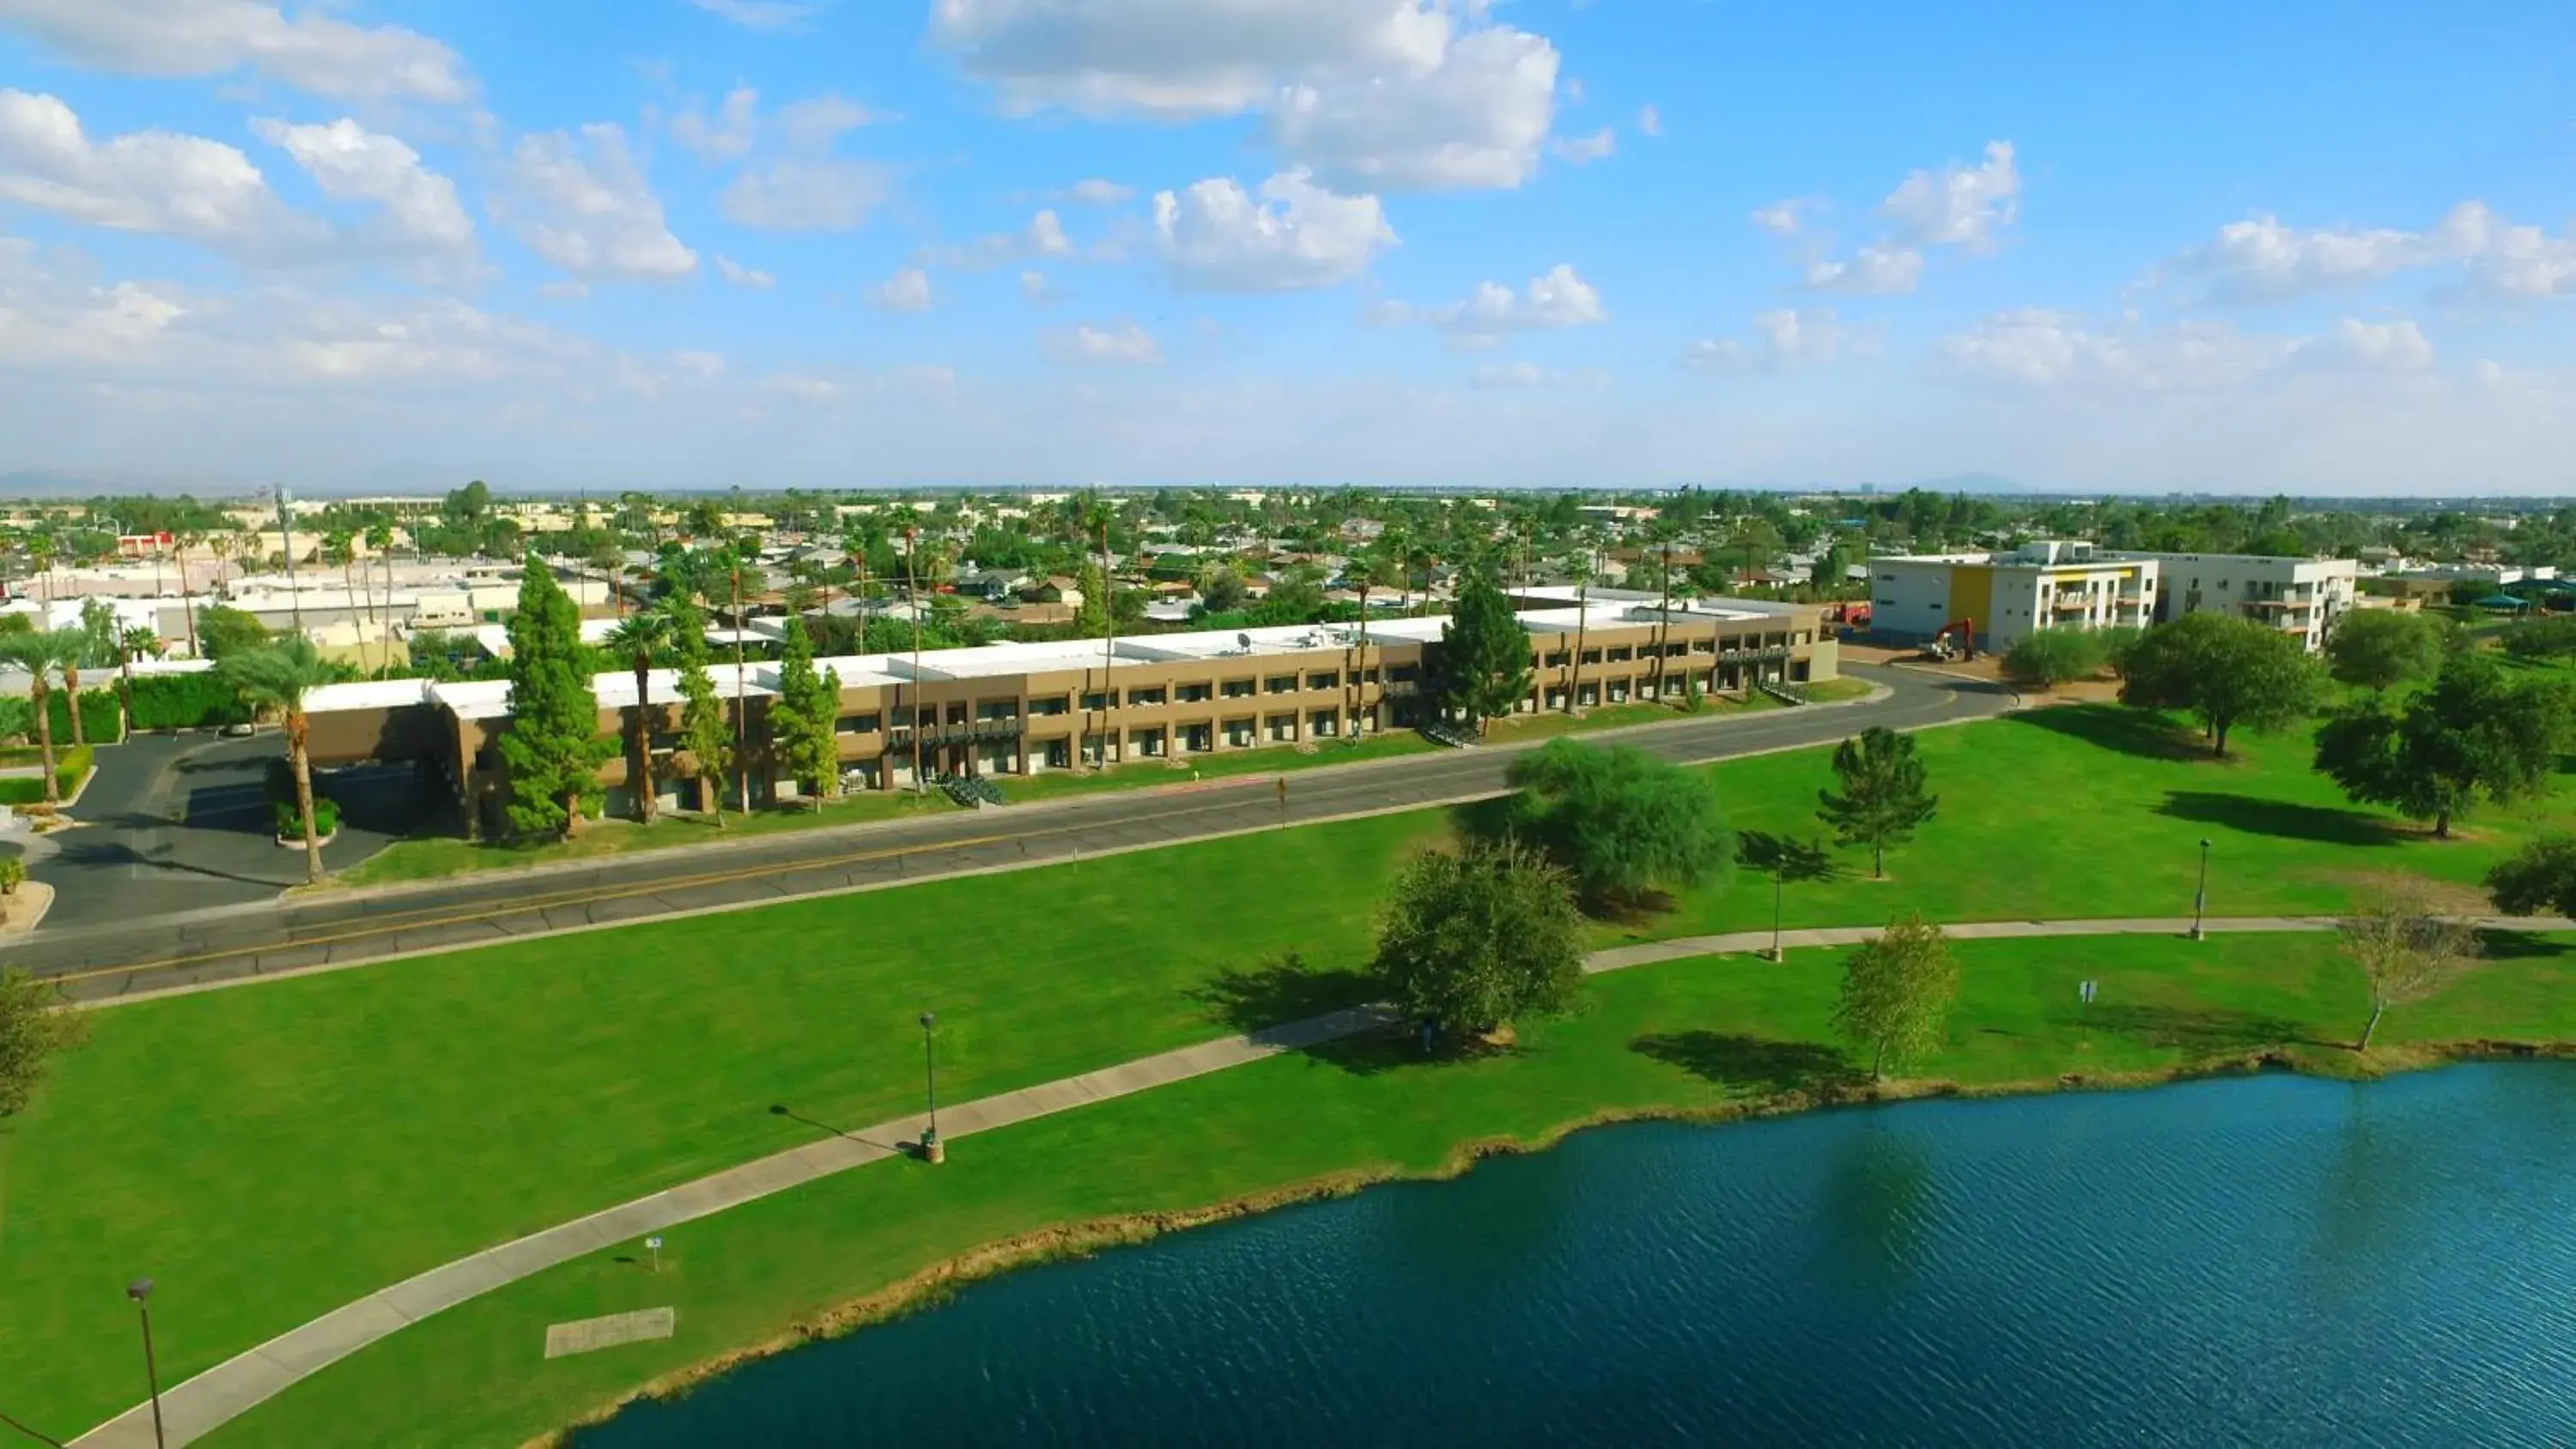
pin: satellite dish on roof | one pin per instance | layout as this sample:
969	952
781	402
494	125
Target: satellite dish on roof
1243	639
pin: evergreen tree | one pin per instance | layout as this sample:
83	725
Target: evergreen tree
1484	651
1883	798
801	720
705	732
553	747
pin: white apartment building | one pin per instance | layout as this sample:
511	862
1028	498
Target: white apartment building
2002	598
2298	596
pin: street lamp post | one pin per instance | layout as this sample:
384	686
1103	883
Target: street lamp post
140	1290
1777	872
932	1149
2200	897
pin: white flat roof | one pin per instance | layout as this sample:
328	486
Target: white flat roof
369	694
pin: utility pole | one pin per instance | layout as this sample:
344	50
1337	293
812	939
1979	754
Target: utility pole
912	601
1663	615
286	551
1582	622
1108	643
741	722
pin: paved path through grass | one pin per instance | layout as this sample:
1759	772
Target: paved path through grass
232	1388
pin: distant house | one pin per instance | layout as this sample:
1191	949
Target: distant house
1054	589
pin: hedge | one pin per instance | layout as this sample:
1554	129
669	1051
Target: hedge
69	766
186	702
290	819
101	719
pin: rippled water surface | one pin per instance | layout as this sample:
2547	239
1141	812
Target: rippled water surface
2266	1261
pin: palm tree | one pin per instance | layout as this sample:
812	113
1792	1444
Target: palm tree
380	542
40	654
97	634
40	549
130	642
642	635
277	677
193	538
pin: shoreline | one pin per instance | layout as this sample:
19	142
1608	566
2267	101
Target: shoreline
933	1284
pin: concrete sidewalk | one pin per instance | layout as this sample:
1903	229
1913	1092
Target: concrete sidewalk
230	1389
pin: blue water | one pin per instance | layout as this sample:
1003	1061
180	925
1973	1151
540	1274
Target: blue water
2264	1261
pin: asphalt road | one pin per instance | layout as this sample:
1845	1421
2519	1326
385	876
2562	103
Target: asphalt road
142	954
175	824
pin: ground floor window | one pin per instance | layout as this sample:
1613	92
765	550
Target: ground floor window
1282	729
1239	734
1324	724
1149	743
1058	754
1198	739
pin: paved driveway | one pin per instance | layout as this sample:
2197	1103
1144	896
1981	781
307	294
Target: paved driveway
178	823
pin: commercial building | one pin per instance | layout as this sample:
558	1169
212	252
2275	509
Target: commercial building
2301	597
2070	584
1028	709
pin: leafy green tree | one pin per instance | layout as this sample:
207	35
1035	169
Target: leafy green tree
1224	592
705	731
553	746
278	678
42	653
96	650
1478	937
2540	877
2051	657
2406	949
642	637
1622	821
1883	797
2379	649
1484	652
801	720
223	630
2477	734
2228	670
1897	991
35	1027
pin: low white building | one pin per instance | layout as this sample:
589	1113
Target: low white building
2298	596
2001	598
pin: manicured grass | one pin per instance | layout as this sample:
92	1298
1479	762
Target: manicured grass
72	764
1688	1036
1269	760
435	857
273	1152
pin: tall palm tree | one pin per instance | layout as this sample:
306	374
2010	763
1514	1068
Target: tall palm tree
40	550
380	542
278	677
40	654
192	538
130	642
97	634
641	636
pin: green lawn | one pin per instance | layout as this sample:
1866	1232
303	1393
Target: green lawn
273	1152
1689	1036
72	764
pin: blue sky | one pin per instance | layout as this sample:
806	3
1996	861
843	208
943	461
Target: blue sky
699	243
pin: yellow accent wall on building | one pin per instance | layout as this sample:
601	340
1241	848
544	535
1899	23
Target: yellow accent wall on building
1972	596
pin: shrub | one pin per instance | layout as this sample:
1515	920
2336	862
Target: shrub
2541	639
17	717
186	702
290	821
102	721
70	766
2052	657
13	874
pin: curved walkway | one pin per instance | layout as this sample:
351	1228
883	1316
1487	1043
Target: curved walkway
230	1389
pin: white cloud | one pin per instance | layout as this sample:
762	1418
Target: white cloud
817	121
760	14
1179	58
1095	192
1650	122
1296	236
1525	376
2263	260
728	133
1873	271
583	204
2043	348
797	193
908	290
1043	237
314	50
742	276
1476	119
352	163
1557	300
150	181
1785	217
1957	205
1033	285
1123	345
1584	150
1784	340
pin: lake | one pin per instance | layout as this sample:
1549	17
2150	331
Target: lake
2269	1260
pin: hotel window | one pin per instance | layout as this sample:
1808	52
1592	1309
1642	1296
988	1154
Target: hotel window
1324	724
1047	704
1145	698
1238	689
1196	693
1591	656
1280	684
1324	679
1093	699
859	724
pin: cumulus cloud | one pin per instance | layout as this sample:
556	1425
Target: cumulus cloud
1043	237
759	14
1584	150
1476	119
1957	205
1650	122
1785	217
1295	236
1873	271
1122	345
908	290
742	276
1783	340
1095	192
313	50
1033	285
2043	348
2264	260
726	134
807	193
1557	300
1525	376
581	202
351	163
150	181
818	121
